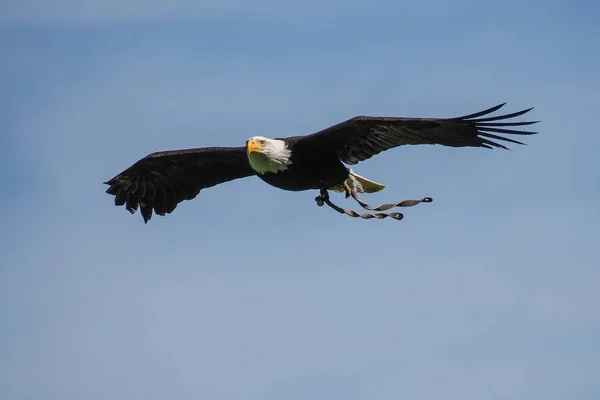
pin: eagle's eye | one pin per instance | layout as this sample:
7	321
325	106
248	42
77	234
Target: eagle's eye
263	142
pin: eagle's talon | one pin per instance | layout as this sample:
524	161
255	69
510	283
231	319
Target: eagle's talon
347	189
322	197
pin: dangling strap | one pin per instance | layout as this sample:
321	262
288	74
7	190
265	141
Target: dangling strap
323	198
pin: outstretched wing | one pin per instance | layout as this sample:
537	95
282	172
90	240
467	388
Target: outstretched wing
161	180
361	138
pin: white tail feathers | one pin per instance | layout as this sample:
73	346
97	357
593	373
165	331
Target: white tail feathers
360	184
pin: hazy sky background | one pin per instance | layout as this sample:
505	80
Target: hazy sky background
248	292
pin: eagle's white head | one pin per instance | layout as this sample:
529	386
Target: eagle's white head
268	155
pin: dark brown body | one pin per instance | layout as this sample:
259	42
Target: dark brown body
310	169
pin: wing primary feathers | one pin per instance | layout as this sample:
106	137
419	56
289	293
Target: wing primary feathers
161	180
480	113
132	202
141	189
486	142
121	197
146	212
362	137
113	189
133	185
150	195
172	198
501	138
507	123
160	198
509	131
500	117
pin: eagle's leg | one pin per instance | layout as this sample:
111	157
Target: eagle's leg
347	189
322	198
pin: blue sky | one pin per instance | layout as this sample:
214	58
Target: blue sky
249	292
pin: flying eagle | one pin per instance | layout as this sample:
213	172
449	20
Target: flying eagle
162	180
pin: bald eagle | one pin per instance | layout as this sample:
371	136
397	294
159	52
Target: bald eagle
162	180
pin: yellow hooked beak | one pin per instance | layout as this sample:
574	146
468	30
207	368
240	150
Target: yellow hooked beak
252	146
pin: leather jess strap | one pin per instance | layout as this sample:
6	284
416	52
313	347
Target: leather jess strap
323	198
